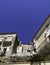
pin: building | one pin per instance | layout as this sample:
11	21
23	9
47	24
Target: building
24	50
41	40
8	43
12	49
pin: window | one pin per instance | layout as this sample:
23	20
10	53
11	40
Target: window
49	37
47	25
34	49
0	42
7	43
28	50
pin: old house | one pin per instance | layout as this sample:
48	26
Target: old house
41	40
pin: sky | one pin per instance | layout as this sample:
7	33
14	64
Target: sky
23	16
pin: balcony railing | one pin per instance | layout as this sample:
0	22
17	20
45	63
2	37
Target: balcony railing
43	44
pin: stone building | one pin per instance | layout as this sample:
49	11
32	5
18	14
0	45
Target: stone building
41	40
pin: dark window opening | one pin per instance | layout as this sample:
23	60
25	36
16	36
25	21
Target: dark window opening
7	43
34	49
0	42
49	37
47	25
4	50
28	50
3	53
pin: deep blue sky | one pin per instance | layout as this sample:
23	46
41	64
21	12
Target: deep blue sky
23	16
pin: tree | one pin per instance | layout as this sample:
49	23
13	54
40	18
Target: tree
37	59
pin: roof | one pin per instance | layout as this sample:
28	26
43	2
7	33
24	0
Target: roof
40	27
7	36
8	33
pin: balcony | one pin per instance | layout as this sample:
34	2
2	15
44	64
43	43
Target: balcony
44	47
